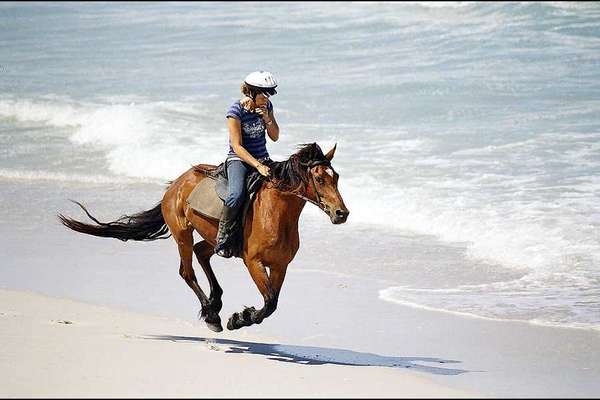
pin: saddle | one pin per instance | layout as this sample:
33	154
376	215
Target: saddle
208	196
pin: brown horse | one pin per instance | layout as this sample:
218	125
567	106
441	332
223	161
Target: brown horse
270	228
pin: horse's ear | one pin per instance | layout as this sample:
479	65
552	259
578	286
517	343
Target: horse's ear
329	155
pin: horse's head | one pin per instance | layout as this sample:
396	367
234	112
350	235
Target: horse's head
322	188
309	175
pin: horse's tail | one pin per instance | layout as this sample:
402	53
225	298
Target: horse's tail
144	226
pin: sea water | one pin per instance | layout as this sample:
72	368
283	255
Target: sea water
468	134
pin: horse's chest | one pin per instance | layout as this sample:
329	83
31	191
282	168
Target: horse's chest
278	246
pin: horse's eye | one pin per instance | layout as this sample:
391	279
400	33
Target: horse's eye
320	180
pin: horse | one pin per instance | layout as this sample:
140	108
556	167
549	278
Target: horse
270	228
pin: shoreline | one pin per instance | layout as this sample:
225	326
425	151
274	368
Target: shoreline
583	327
57	347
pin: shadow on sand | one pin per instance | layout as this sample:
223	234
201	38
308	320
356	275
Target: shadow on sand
309	355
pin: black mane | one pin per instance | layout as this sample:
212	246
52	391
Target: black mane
291	175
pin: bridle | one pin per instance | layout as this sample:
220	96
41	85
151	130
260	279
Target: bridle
309	166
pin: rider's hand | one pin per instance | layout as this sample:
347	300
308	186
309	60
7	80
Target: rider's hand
263	169
264	113
247	104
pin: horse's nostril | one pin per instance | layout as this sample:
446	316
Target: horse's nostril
341	213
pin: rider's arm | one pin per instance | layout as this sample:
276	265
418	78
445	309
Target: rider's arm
235	138
272	127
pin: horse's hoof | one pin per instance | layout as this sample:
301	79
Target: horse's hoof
215	327
231	323
230	326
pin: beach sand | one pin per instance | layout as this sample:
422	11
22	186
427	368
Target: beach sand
57	347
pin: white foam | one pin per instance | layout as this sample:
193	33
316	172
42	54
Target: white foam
506	233
140	138
166	161
393	295
114	126
49	112
389	295
37	175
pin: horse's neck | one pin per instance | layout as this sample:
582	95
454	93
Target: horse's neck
284	209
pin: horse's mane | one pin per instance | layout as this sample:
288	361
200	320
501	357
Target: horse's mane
288	176
291	175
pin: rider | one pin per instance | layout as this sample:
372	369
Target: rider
248	119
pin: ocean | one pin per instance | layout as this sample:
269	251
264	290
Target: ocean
468	134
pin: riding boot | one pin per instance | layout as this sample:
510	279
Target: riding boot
224	235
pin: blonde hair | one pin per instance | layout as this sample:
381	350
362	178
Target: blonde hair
248	90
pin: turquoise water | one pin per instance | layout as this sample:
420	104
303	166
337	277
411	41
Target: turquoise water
468	128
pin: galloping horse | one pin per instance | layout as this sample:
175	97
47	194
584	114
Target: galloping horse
270	229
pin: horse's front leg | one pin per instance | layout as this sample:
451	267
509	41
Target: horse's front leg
269	286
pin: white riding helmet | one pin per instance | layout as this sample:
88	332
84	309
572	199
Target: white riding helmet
261	79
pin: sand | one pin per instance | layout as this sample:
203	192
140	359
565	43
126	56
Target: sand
56	347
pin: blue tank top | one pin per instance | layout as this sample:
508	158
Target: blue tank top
253	131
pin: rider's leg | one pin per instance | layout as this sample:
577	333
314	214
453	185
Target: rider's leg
236	177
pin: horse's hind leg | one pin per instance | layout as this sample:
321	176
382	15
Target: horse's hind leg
210	312
185	241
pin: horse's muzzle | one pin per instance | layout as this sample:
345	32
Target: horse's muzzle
339	216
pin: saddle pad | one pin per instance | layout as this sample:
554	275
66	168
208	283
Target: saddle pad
205	200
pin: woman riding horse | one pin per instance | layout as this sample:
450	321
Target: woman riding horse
247	120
